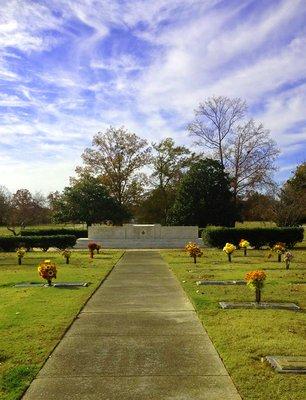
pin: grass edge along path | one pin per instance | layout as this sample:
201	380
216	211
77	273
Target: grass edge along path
243	337
33	320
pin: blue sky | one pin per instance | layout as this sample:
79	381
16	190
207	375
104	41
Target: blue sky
71	68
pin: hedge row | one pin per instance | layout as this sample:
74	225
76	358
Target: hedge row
11	243
258	237
78	233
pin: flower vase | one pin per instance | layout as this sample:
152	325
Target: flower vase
257	294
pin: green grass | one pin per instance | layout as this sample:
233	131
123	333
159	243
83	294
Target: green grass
243	337
32	320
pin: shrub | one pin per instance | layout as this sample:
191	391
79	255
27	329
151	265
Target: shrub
11	243
78	233
258	237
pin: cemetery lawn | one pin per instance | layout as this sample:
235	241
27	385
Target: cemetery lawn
32	320
243	337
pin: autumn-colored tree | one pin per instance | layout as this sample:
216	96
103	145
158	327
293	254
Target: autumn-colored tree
117	158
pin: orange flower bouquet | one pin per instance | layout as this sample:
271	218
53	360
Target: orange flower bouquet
47	270
194	251
255	280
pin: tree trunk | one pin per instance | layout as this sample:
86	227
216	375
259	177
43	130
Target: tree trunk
279	257
195	259
287	264
245	251
67	260
229	257
49	282
19	260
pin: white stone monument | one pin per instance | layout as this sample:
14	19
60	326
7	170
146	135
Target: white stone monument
136	236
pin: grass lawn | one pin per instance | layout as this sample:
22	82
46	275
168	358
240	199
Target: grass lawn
243	337
32	320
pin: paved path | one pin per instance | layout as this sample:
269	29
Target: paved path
138	338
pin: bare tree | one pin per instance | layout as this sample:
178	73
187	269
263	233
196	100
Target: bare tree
117	157
249	158
215	119
244	148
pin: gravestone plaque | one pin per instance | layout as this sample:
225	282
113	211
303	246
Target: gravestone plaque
70	284
288	364
217	283
58	284
264	305
28	285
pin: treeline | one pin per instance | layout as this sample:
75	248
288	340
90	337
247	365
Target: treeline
227	176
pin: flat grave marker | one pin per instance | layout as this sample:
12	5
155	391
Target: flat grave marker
56	285
261	305
290	364
220	283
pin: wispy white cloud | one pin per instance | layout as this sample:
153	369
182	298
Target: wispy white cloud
69	68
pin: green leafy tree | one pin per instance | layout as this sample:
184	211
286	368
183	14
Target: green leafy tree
169	163
204	197
290	209
5	198
87	201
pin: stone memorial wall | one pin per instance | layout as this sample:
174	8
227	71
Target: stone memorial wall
140	236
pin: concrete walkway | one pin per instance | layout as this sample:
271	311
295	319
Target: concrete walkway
138	338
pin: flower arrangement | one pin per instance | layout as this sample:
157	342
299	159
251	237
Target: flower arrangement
255	280
229	248
20	252
66	254
244	244
288	258
92	247
280	249
47	270
194	251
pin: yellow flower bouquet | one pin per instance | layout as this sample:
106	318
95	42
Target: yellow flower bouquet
194	251
229	248
280	249
47	270
66	254
20	252
255	280
244	244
